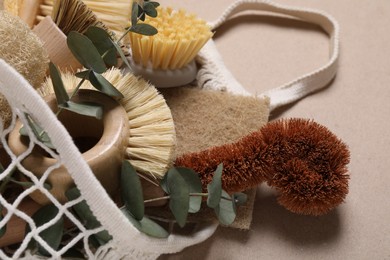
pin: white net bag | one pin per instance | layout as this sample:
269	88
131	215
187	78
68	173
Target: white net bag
110	236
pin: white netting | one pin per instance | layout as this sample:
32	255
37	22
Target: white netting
126	242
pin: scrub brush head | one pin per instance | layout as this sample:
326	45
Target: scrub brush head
304	161
152	136
74	15
180	37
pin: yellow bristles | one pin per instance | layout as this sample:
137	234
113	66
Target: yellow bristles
12	6
180	37
152	136
115	14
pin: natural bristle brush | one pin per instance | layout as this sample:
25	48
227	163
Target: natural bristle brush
167	58
152	136
301	159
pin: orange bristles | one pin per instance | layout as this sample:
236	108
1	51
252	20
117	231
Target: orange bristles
304	161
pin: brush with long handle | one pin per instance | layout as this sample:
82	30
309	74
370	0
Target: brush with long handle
304	161
152	138
167	58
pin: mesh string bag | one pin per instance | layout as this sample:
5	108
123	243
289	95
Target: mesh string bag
127	242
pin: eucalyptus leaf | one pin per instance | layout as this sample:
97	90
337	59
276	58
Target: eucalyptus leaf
83	74
164	184
85	214
3	229
150	9
214	188
141	14
240	198
103	85
102	41
179	196
144	29
28	184
39	133
122	55
225	211
131	191
85	52
155	4
134	13
84	108
195	186
146	226
53	234
59	89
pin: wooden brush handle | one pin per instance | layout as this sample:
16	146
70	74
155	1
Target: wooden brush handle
29	11
54	41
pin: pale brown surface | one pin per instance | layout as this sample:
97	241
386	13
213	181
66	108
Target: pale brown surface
264	52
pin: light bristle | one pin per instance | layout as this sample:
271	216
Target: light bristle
74	15
152	136
114	14
180	37
12	6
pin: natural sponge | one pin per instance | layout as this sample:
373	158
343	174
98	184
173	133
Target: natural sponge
22	49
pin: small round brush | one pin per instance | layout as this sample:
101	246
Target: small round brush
304	161
167	58
152	131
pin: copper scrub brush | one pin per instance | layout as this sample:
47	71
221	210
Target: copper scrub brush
302	160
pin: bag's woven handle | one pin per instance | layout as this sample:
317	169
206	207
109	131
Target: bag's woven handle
292	91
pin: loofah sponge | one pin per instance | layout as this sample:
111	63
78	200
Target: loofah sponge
23	50
304	161
180	37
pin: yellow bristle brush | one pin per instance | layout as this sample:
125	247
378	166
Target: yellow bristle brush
152	132
167	58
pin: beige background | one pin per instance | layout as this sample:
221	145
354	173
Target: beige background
264	52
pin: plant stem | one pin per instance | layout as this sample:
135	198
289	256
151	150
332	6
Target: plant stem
157	199
199	194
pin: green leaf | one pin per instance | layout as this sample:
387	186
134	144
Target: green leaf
146	226
59	89
131	191
144	29
83	74
84	108
141	14
85	52
28	184
179	196
134	13
122	55
155	4
85	214
226	210
53	234
215	188
240	198
163	183
150	9
102	41
38	131
100	83
195	186
3	229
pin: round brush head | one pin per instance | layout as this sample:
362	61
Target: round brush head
180	37
152	135
304	161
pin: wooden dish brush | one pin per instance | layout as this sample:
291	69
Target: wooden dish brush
152	132
167	58
302	160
